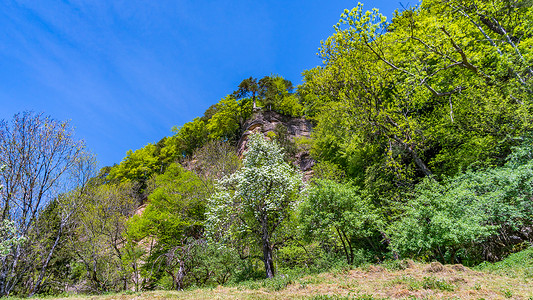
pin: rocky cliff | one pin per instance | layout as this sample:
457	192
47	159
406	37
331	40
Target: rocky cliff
270	123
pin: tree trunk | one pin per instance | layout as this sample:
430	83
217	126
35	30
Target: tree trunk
343	245
267	250
267	259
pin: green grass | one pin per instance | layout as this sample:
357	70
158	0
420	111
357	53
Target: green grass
516	265
273	284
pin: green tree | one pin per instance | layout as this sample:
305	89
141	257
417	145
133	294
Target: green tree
256	201
138	165
228	121
248	88
426	94
477	215
98	242
423	88
190	136
173	217
340	209
277	95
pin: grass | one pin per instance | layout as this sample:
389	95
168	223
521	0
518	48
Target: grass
516	265
508	279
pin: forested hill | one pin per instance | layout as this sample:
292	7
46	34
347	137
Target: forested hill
421	148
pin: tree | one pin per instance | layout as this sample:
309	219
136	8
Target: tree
8	233
256	201
98	241
138	165
8	237
174	216
43	160
248	87
428	93
190	136
477	215
228	121
276	94
215	160
339	208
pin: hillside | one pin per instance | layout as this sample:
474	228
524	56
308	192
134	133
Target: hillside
412	140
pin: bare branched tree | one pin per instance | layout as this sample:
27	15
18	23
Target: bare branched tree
43	161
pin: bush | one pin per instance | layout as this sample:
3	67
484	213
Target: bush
478	215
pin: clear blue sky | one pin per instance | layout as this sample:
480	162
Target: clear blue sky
125	72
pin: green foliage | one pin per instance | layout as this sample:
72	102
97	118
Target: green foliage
303	143
328	171
441	88
98	240
422	137
339	209
281	136
190	136
173	218
217	263
248	88
293	256
137	165
420	95
277	95
477	207
517	265
175	210
227	122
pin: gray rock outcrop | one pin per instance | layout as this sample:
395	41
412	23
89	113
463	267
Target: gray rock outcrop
267	121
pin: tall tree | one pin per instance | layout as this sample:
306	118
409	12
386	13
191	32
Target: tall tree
43	160
249	87
276	93
174	214
99	235
256	201
338	208
428	90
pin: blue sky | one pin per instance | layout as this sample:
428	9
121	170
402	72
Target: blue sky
125	72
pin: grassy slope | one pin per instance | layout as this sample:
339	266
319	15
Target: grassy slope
511	278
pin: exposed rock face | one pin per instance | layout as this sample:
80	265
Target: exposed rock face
266	121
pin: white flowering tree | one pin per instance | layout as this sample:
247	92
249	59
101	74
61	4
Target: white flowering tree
8	232
255	201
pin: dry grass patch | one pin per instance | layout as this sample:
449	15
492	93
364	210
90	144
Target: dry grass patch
403	280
